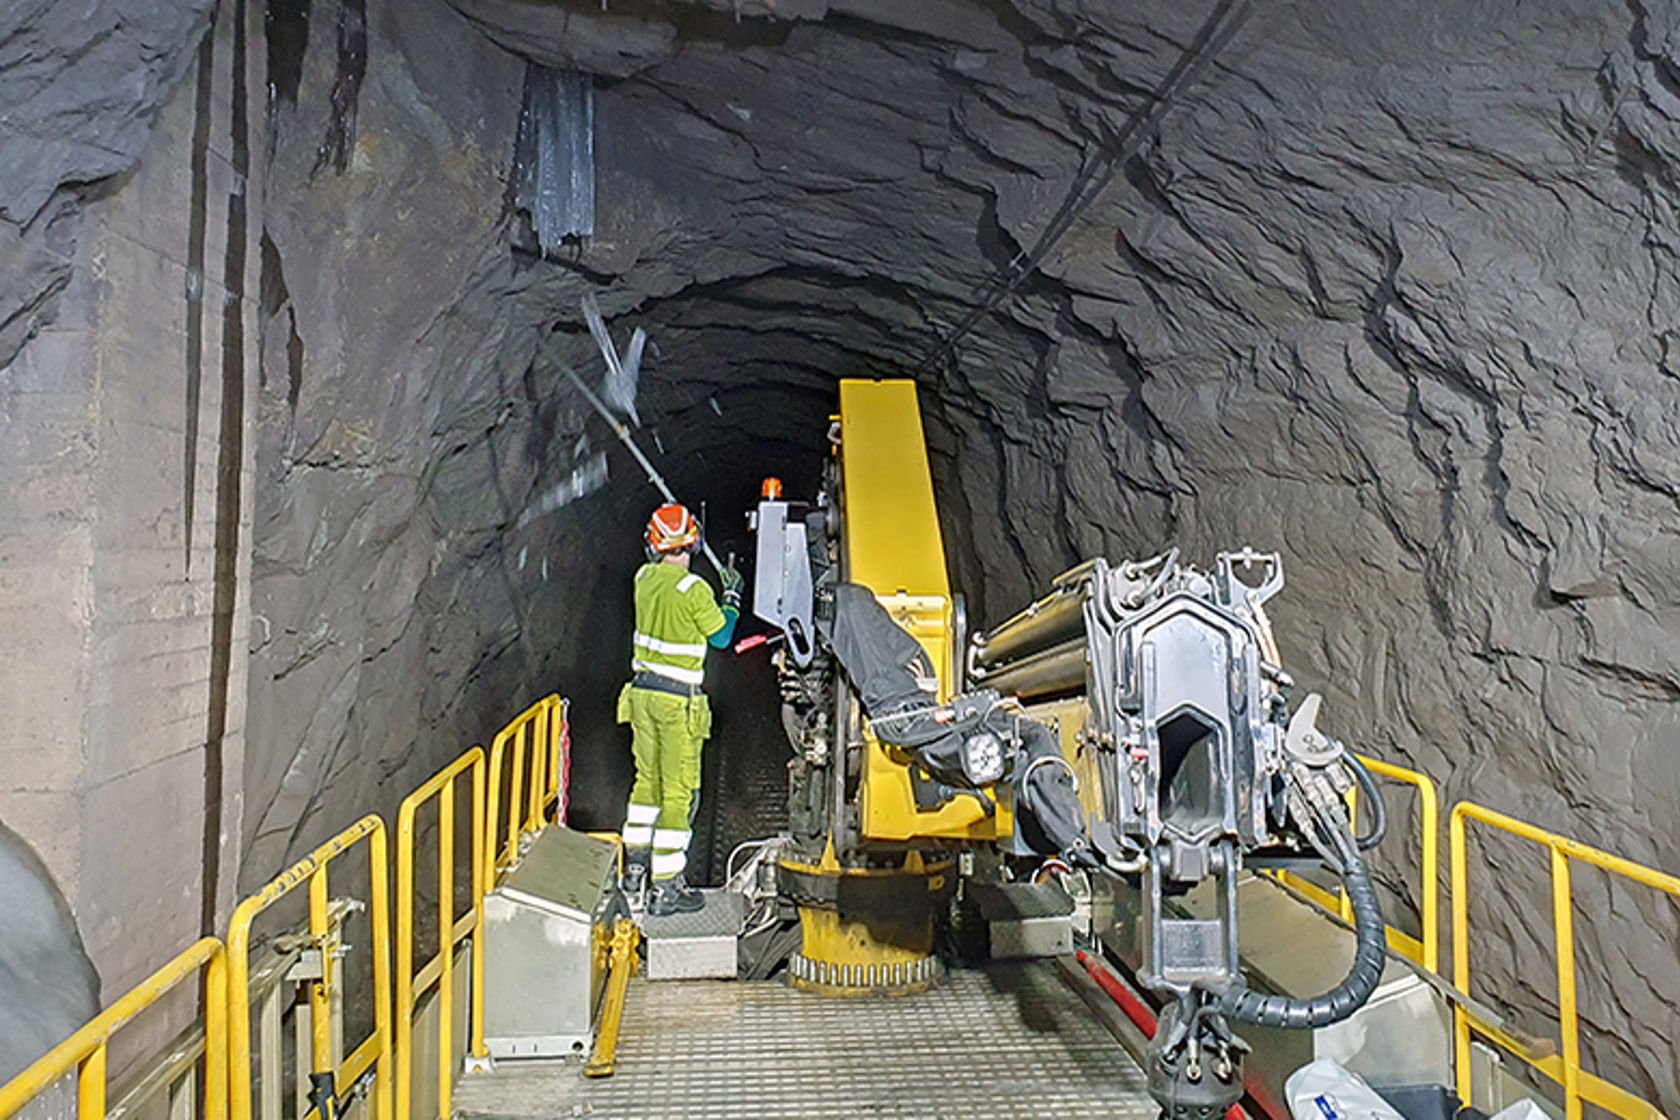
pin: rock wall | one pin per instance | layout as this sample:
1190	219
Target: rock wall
385	639
1391	290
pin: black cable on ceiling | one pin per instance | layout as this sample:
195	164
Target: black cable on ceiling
1098	172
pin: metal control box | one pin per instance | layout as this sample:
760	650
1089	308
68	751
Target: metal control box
544	927
1026	920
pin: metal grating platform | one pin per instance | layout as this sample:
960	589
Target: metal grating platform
1010	1041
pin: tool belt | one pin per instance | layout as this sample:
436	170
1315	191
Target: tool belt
654	682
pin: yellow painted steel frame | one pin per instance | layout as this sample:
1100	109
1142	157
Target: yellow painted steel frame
452	930
894	548
539	732
374	1052
85	1052
1424	950
1564	1068
603	1059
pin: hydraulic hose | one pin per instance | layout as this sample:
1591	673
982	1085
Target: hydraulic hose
1370	947
1373	802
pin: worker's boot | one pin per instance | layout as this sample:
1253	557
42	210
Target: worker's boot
673	896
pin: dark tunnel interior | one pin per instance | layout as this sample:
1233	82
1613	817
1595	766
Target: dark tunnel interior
1388	286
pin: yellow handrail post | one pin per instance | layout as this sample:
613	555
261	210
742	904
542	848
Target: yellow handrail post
539	752
1429	812
403	1041
516	800
439	970
374	1052
1563	921
480	879
1461	950
380	905
493	808
215	1035
446	943
90	1086
320	992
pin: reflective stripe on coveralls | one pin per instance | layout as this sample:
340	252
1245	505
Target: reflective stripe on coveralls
638	825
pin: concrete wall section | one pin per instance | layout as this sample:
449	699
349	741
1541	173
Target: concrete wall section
124	647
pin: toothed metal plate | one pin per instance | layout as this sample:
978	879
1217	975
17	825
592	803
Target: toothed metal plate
1012	1040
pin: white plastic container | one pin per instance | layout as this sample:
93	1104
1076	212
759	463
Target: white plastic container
1323	1090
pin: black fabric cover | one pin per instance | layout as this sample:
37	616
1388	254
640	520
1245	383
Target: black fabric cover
888	668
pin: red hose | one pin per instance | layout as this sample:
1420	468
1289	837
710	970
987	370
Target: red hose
1136	1010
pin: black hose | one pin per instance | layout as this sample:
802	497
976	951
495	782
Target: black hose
1370	951
1373	799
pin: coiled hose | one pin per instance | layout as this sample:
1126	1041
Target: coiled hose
1371	942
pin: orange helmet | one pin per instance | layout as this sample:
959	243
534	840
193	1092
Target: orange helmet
671	528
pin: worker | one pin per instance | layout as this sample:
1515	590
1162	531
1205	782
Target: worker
677	619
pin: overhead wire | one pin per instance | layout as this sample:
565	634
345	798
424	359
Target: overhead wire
1097	173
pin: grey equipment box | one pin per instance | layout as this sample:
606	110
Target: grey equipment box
697	946
543	974
1025	920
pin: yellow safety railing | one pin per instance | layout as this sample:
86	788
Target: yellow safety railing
535	745
86	1052
1564	1068
1424	949
452	930
374	1052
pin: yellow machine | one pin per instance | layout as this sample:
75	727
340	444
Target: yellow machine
873	870
891	544
1163	754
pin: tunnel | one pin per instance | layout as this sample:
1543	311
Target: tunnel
298	500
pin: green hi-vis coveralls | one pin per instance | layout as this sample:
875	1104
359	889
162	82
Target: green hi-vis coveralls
677	618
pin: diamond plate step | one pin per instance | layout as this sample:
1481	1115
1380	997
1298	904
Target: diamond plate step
697	946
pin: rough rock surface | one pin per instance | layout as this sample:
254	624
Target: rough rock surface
81	85
1392	290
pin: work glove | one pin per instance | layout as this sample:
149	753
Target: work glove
732	581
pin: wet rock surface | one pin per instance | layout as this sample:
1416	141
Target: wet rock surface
1392	290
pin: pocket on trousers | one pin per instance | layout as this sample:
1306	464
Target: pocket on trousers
623	705
700	717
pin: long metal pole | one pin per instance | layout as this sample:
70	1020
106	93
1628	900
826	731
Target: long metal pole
622	431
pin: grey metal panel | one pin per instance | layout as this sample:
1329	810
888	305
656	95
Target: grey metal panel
1025	919
692	958
556	154
542	978
1031	937
697	946
565	872
1012	1040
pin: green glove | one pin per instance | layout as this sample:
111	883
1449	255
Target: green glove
732	581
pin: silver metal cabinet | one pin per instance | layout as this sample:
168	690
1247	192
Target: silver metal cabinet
543	971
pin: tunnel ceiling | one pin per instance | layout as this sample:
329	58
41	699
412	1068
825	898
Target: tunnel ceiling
1390	289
